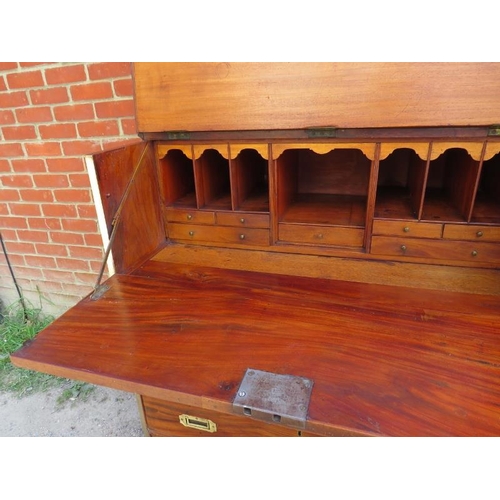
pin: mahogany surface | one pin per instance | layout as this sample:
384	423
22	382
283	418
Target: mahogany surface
140	226
385	360
162	419
268	96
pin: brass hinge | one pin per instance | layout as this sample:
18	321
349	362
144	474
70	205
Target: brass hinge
321	132
494	130
177	136
99	291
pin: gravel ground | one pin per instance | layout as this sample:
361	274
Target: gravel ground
105	413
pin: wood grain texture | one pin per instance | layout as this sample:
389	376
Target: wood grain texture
408	229
221	235
384	360
140	228
321	235
260	96
471	232
420	275
439	249
162	419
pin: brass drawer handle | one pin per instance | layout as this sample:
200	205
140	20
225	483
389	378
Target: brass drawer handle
242	220
242	236
201	424
479	234
474	253
189	216
191	233
403	248
406	229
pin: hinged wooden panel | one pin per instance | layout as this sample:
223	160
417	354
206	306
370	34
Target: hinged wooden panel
270	96
140	227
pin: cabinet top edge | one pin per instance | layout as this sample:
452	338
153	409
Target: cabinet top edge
368	134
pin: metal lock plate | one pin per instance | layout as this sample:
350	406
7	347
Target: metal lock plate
274	398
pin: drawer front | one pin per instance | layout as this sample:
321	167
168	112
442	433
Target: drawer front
242	219
471	232
218	234
436	249
321	235
407	228
190	216
164	419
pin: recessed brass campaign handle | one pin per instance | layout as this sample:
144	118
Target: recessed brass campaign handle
198	423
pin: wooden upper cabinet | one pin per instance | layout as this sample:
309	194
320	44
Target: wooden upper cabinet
274	96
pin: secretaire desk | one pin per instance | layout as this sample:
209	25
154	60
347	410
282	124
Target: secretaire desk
301	249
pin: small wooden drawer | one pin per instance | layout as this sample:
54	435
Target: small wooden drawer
321	235
411	229
471	232
190	216
174	419
436	249
242	219
218	234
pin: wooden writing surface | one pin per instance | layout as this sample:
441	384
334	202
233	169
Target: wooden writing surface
384	360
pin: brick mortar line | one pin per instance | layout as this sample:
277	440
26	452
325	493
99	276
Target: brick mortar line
69	139
100	141
67	85
71	102
44	159
21	69
57	268
83	204
70	257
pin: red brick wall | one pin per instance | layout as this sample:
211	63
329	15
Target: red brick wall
51	116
